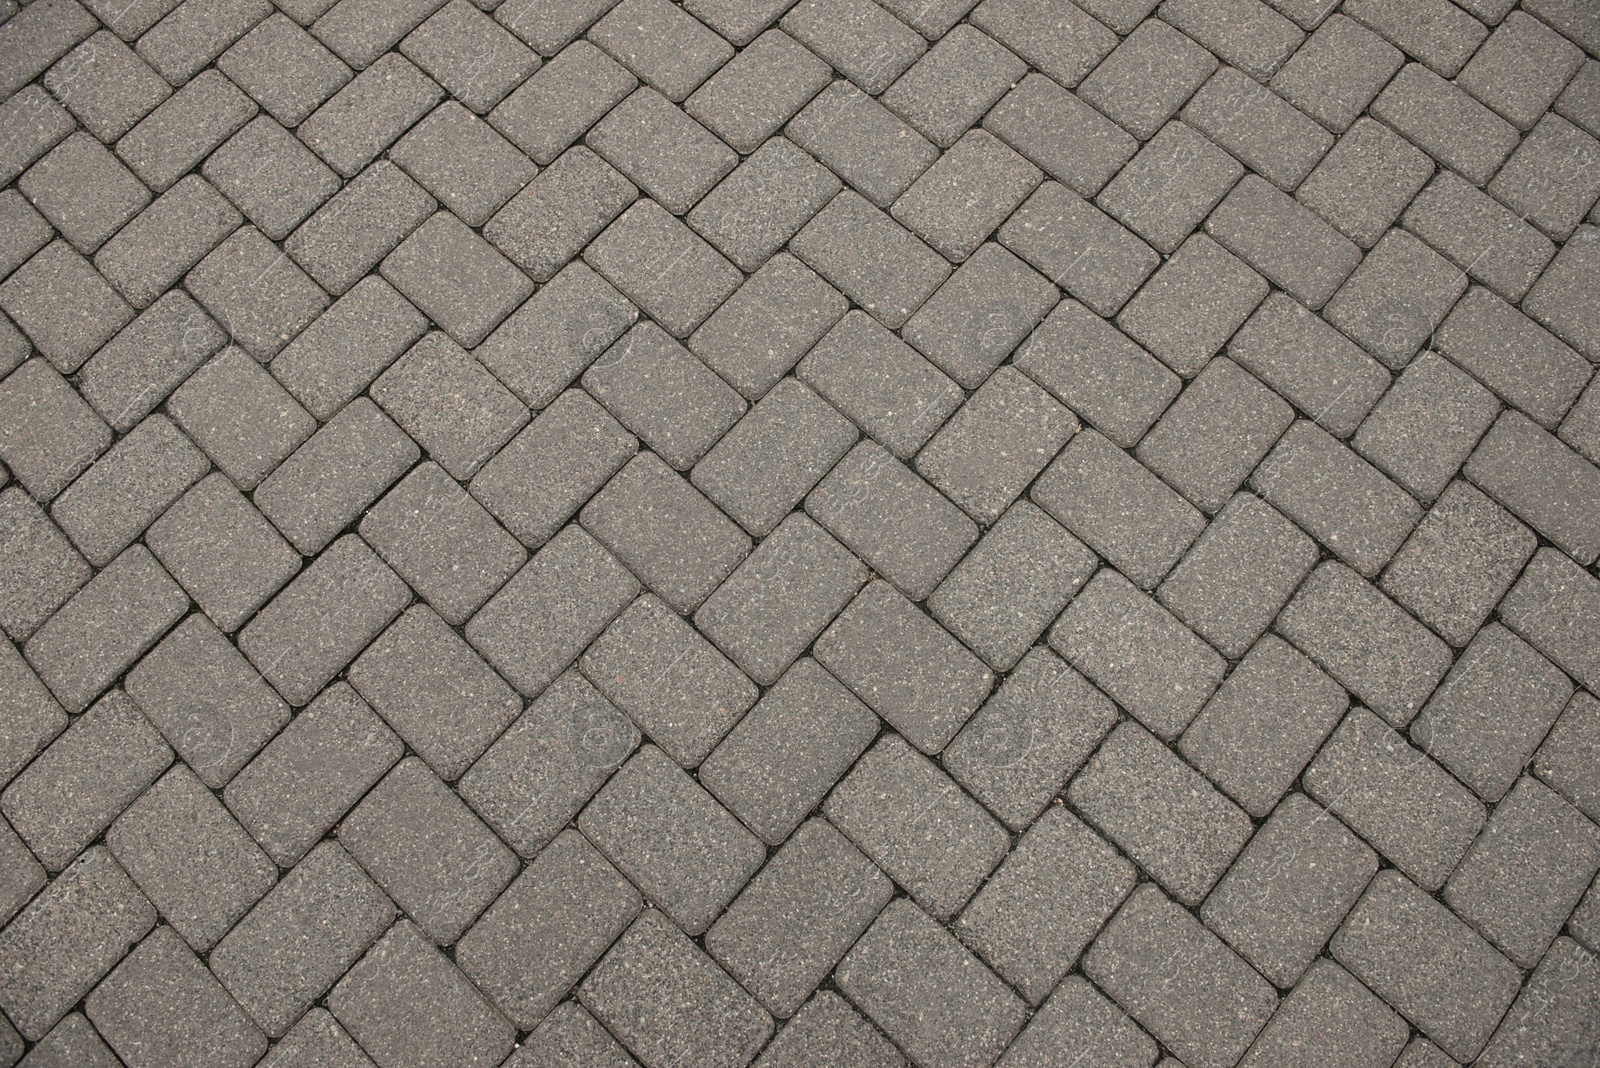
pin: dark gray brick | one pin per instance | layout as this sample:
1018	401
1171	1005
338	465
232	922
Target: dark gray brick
1571	19
362	30
106	85
828	1031
26	231
1079	1017
1580	102
64	305
1526	365
323	619
664	267
1262	129
346	347
1073	143
33	122
72	1042
1365	182
757	208
457	278
1058	39
321	490
670	1003
360	226
197	32
1547	180
1521	69
547	929
1581	428
979	316
1416	955
408	1004
1148	78
471	55
737	20
460	433
948	90
1283	240
863	142
867	44
172	139
1046	903
366	116
1290	889
564	98
901	526
1554	1016
1542	481
1193	304
966	194
1426	425
312	773
273	178
1566	759
42	568
667	154
1243	33
256	293
559	212
792	923
1112	262
1483	238
1334	1014
84	191
669	680
1437	32
1020	748
1394	301
781	758
570	1035
32	716
535	778
876	262
302	936
759	90
550	610
1335	74
665	46
1179	981
435	152
1170	186
1118	507
1563	301
284	69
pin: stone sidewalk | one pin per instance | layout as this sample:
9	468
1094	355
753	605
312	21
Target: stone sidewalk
821	534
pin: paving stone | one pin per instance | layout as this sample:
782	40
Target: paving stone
1582	922
669	680
1529	367
1310	364
664	267
1561	299
323	619
409	1005
319	1040
665	46
1565	759
670	1003
196	33
1112	263
42	568
763	203
106	85
359	226
361	31
1521	69
33	123
1425	962
550	610
470	54
162	1005
738	22
1551	489
64	305
1384	657
536	941
190	858
1578	102
663	151
67	938
826	1031
367	115
1441	35
564	98
868	45
1580	428
26	231
948	90
1553	1017
346	347
1425	426
312	773
790	926
1026	563
558	213
927	992
84	191
1148	78
863	142
1118	507
1459	562
321	489
964	196
1247	35
271	176
1333	1014
260	296
480	417
784	755
1337	72
1078	1017
1070	141
658	390
1526	873
1045	904
32	716
1283	240
1055	37
1547	181
772	458
1553	606
980	315
873	260
434	151
73	1041
1396	299
1193	304
880	383
457	278
901	526
1170	186
759	90
568	1035
1263	130
1290	889
1570	19
177	135
546	766
1179	981
1365	182
207	701
284	69
1480	236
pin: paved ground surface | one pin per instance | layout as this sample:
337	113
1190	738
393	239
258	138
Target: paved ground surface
829	534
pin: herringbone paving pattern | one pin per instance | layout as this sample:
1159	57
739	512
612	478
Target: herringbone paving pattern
821	534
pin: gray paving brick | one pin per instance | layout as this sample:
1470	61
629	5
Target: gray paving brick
1263	130
42	568
222	551
476	60
1179	981
259	295
1440	34
948	90
658	390
177	135
667	154
1019	749
1334	1014
1554	605
1521	69
550	610
1245	34
312	773
827	1031
1541	480
435	149
1058	39
1193	304
1366	181
876	262
536	941
319	1040
1527	366
367	115
559	212
84	191
981	314
784	755
966	194
901	526
1384	657
321	489
1079	1017
665	46
359	226
409	1005
305	12
1070	141
570	1034
1581	429
1170	186
863	142
196	33
457	278
1284	241
1570	19
738	22
763	203
1547	181
564	98
1565	759
73	1041
1562	301
669	680
1553	1017
479	418
207	701
32	716
106	85
270	176
346	347
861	40
1290	889
664	267
799	916
1425	426
1579	101
26	231
927	991
33	122
361	31
64	305
323	619
1112	262
1310	363
1477	234
284	69
535	778
1396	299
1054	892
1337	72
1121	15
1148	77
759	90
1118	507
67	938
190	858
1425	962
